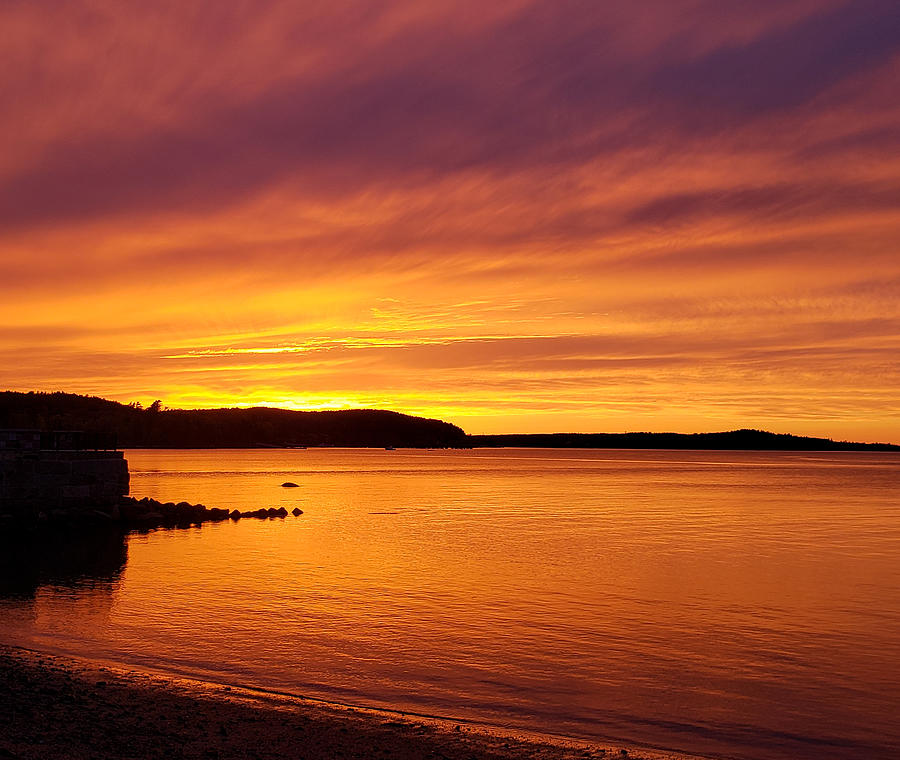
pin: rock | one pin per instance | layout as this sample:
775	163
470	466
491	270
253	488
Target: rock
189	513
130	509
235	515
288	484
296	512
282	512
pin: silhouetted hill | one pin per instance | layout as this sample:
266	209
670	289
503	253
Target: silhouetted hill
222	428
750	440
262	426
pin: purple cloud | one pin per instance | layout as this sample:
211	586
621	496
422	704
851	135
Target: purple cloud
554	85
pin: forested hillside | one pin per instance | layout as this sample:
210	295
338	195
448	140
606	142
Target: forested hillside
154	426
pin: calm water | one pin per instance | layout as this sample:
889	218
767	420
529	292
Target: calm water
739	604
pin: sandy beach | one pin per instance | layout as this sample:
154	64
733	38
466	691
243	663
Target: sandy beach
58	707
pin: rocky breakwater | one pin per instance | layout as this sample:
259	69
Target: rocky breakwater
146	513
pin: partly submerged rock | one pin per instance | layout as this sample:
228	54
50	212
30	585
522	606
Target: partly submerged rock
296	511
288	484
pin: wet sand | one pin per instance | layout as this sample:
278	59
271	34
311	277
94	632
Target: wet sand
57	707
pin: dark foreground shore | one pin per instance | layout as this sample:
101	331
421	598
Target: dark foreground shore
55	707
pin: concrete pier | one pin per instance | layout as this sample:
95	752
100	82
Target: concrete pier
41	472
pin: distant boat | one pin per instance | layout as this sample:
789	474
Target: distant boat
389	448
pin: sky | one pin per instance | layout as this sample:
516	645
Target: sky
518	216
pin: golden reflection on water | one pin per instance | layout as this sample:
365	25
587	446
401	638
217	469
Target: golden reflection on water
741	603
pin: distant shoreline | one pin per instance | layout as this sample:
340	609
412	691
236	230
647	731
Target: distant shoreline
155	427
849	448
733	440
60	706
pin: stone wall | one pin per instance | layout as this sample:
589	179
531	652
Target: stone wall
41	481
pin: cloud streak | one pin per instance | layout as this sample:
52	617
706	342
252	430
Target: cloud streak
694	202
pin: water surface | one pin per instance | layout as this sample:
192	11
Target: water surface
734	603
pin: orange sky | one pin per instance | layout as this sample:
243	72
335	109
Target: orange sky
516	216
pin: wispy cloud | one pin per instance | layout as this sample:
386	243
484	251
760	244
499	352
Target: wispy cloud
678	215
